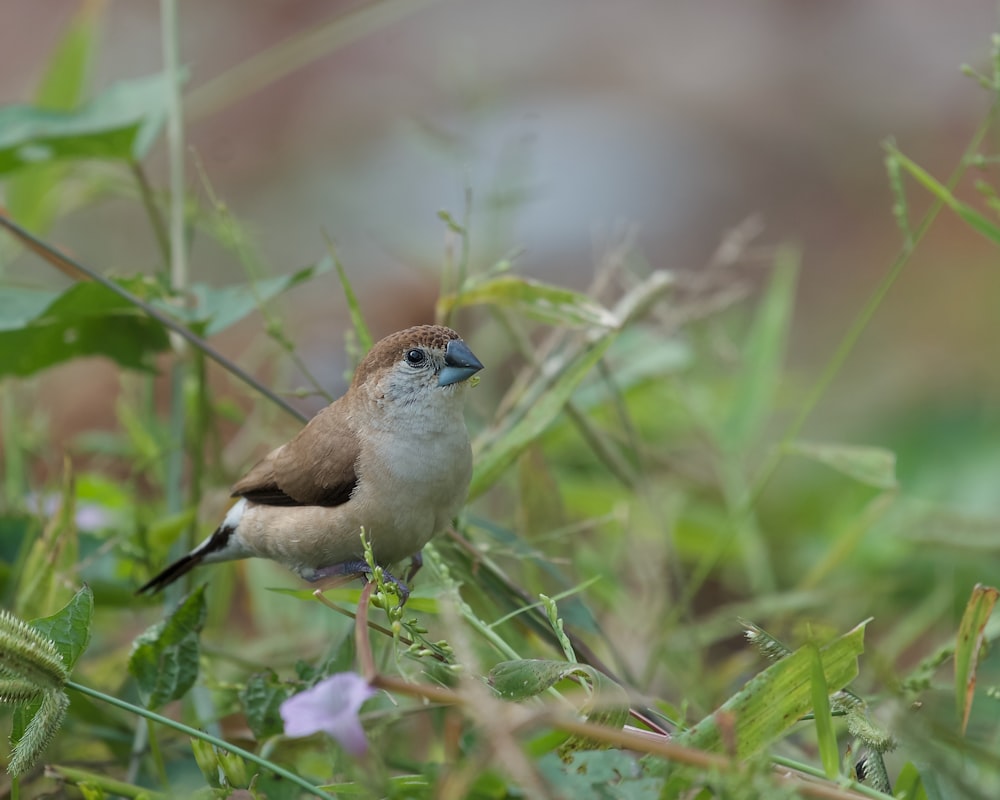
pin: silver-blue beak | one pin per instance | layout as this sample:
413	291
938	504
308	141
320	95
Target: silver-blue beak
459	364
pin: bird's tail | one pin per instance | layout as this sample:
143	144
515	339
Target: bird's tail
213	544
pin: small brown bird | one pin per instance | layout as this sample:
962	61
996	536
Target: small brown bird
391	456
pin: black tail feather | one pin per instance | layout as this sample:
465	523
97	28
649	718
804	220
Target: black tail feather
180	567
183	565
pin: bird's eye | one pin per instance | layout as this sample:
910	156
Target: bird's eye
415	357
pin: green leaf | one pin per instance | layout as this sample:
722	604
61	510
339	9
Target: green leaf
221	307
542	301
164	658
872	466
18	306
262	698
361	331
599	775
764	352
970	644
69	627
519	680
909	783
54	553
85	320
825	735
120	124
495	455
607	703
31	195
775	699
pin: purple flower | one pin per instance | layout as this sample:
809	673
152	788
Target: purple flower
332	706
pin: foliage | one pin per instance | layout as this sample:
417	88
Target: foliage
628	507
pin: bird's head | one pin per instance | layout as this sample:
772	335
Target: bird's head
417	365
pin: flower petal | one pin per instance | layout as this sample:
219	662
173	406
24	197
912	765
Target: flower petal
332	706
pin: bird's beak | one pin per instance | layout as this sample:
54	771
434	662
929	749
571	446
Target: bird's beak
459	364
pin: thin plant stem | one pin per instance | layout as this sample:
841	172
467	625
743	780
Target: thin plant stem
363	644
205	737
865	316
175	145
152	211
76	269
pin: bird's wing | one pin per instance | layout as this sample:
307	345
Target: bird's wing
316	468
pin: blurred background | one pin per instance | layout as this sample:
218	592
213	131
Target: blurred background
561	125
567	123
567	120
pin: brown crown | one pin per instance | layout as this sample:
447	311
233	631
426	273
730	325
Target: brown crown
388	351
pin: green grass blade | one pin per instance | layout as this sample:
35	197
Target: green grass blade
970	644
361	330
30	194
496	455
973	218
825	735
775	699
765	353
872	466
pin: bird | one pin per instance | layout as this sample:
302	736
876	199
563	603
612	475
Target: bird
390	456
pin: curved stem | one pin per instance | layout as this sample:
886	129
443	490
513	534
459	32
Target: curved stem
206	737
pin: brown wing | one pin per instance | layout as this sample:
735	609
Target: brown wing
316	468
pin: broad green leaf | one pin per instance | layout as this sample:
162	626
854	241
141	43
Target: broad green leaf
69	627
164	660
120	124
65	80
825	735
496	455
262	698
969	646
85	320
225	306
775	699
973	218
764	352
542	301
31	195
606	705
600	775
872	466
18	306
519	680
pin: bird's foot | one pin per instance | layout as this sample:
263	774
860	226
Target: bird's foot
349	569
